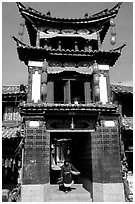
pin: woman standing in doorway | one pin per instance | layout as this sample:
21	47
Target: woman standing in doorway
66	174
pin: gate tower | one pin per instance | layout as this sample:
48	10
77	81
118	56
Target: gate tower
69	93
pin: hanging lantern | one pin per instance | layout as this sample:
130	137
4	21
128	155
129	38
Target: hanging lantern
113	31
45	65
44	89
96	79
97	91
21	29
44	77
112	23
113	40
95	68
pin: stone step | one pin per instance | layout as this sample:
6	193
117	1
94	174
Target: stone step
77	194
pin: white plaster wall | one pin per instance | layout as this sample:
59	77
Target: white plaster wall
103	89
36	81
35	64
103	67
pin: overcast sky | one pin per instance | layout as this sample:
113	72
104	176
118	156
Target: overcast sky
14	72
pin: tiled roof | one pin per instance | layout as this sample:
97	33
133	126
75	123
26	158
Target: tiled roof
12	132
28	52
40	16
122	89
11	89
36	20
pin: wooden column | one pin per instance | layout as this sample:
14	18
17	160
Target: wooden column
67	92
50	92
38	40
87	91
99	40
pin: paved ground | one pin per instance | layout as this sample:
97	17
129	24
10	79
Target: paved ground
77	194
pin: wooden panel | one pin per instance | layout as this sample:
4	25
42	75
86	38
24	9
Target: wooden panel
50	92
87	90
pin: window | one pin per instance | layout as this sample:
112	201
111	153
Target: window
77	92
11	113
59	91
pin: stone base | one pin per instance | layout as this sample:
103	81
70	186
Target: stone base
108	192
35	193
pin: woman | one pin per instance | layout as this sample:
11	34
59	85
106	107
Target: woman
66	174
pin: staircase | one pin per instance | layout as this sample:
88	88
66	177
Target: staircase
77	194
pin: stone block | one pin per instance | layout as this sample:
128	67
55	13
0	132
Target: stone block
35	193
108	192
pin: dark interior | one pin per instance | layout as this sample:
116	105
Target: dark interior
75	146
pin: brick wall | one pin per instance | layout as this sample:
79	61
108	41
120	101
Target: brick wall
36	156
105	153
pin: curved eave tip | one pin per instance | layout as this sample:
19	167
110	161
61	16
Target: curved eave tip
20	5
116	7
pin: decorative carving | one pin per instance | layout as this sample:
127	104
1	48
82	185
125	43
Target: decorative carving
81	123
83	31
68	31
55	64
83	64
69	64
53	31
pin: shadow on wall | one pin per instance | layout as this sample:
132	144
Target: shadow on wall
87	185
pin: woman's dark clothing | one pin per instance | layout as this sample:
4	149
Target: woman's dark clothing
66	174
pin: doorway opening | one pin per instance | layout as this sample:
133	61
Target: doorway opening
76	147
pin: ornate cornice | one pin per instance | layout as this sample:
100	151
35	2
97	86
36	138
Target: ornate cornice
42	108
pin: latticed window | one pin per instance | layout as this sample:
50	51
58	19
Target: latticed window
11	113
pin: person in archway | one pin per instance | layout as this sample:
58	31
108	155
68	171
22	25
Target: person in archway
66	174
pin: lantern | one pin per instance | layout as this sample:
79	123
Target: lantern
44	89
44	77
21	30
97	91
96	79
113	40
113	31
112	23
22	24
45	65
95	68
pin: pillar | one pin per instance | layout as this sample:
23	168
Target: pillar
34	81
104	83
36	163
107	184
67	92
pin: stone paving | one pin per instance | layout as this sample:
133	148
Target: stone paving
77	194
